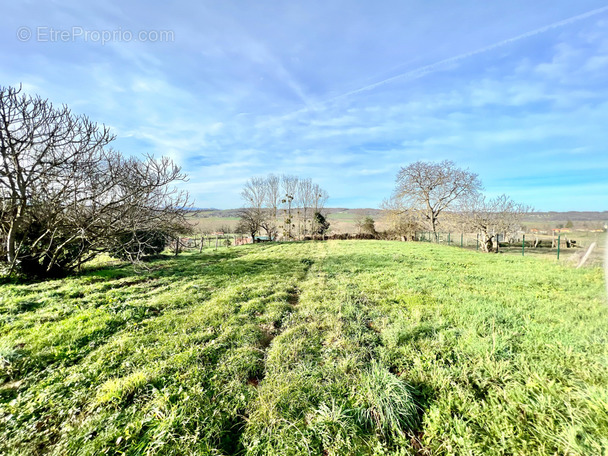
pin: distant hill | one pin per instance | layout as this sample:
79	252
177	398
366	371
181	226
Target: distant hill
575	216
343	212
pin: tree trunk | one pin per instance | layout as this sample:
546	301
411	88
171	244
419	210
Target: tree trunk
488	244
11	238
10	244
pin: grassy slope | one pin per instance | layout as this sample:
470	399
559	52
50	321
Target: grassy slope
335	348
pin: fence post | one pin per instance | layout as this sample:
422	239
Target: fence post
523	244
558	243
477	242
449	240
461	238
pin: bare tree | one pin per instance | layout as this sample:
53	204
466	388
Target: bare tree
431	188
491	217
65	196
403	223
306	201
319	198
273	194
254	194
268	224
250	222
365	224
261	205
155	210
298	199
273	203
290	188
359	220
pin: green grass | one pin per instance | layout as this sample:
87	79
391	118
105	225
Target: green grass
309	348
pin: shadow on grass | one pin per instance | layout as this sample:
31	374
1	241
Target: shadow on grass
223	266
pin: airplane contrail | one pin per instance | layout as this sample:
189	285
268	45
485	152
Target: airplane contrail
433	67
437	66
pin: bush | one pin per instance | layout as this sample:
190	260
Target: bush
322	225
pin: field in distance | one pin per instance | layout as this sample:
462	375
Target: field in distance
325	348
343	219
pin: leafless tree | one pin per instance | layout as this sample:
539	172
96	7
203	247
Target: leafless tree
65	196
269	225
254	193
289	185
430	188
272	184
359	220
250	221
491	217
154	210
319	198
285	198
402	223
306	200
273	194
259	193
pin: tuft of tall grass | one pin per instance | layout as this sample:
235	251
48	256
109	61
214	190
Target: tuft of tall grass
385	403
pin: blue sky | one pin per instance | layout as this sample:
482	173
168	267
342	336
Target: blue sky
344	92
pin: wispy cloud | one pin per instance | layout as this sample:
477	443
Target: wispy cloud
446	63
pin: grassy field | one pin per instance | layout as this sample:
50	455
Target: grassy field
335	348
212	224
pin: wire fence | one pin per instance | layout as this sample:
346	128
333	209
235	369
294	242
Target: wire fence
579	247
